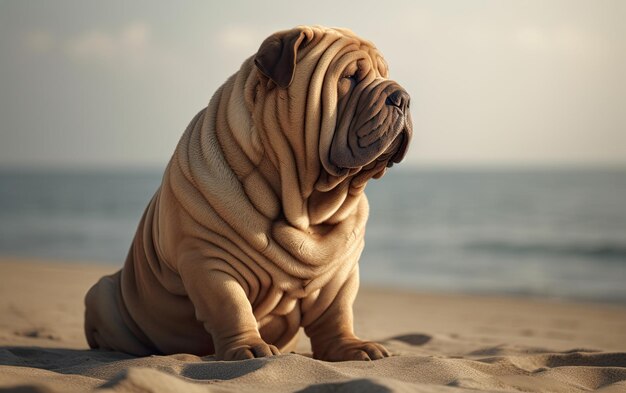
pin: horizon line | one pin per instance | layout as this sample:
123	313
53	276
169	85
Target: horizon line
413	167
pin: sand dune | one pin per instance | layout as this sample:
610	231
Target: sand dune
67	370
441	343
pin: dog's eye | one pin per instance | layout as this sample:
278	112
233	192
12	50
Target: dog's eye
353	78
348	80
352	74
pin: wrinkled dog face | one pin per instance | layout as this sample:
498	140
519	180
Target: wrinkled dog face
374	121
360	118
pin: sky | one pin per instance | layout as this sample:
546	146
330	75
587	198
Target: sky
493	83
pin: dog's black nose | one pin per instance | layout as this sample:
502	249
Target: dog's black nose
398	98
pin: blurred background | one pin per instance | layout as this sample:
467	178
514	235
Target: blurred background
515	182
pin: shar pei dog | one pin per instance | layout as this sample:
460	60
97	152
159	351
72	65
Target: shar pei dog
259	222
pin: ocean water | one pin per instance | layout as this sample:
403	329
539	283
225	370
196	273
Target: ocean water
544	233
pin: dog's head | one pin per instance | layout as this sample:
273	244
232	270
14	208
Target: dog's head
334	104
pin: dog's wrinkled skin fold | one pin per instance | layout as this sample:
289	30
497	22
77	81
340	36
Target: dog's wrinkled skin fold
259	222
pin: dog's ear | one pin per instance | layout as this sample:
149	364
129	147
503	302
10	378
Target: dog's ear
276	58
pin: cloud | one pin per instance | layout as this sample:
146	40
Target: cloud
240	40
38	41
131	49
135	35
129	43
92	45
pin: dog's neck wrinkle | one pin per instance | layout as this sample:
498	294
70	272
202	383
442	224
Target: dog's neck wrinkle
321	248
313	236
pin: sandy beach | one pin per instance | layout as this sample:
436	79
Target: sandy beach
440	343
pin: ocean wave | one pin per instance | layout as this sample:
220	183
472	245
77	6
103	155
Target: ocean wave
606	251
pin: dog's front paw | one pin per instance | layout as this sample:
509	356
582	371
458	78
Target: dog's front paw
350	348
248	348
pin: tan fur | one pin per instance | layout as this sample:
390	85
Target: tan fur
254	231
